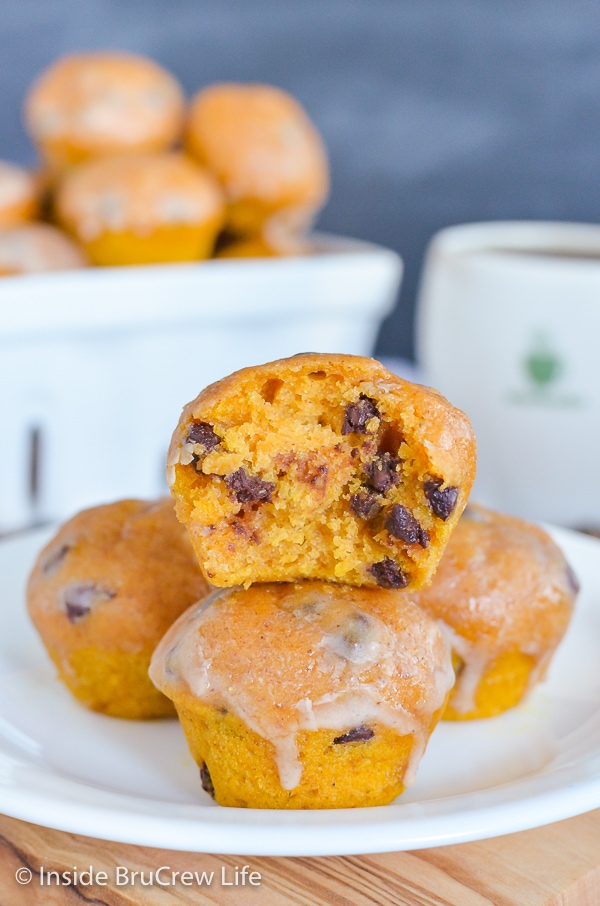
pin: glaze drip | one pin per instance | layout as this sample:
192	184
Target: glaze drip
306	657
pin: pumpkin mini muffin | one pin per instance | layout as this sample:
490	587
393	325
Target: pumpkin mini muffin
97	104
36	247
141	209
505	594
266	154
101	595
18	195
320	467
308	695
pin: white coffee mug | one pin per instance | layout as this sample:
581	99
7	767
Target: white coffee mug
508	328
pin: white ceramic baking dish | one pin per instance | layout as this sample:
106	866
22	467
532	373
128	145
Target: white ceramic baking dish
96	365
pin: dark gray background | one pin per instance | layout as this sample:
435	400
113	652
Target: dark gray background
434	111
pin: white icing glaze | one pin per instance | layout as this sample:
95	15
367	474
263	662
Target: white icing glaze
502	586
309	660
475	660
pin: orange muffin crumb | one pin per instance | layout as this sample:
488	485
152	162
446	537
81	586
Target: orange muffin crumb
320	466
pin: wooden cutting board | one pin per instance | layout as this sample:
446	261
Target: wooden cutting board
557	865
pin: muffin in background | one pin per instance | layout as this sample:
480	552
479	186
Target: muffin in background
19	195
37	247
306	695
95	104
505	594
101	595
141	209
266	154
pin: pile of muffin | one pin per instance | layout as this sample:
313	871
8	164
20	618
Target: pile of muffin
131	175
288	606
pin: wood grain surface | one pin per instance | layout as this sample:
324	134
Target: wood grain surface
557	865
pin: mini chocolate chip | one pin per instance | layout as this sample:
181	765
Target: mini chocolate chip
202	433
78	600
388	574
402	524
365	505
55	558
206	781
357	734
573	580
358	414
249	488
382	472
442	502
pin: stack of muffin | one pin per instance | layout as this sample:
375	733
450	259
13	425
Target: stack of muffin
109	128
318	493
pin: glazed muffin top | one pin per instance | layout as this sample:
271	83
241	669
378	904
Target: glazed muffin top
502	584
105	103
305	656
37	247
114	576
136	193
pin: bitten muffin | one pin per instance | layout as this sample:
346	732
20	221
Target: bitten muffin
102	594
18	195
266	154
320	466
36	247
305	696
141	209
504	593
96	104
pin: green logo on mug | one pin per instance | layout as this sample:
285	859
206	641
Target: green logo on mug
543	367
542	364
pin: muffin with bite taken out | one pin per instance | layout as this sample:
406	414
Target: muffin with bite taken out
320	467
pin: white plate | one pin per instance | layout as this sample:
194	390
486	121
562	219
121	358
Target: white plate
64	767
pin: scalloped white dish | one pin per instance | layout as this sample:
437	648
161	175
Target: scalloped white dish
67	768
